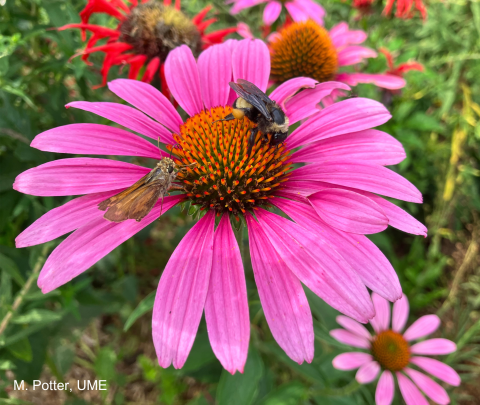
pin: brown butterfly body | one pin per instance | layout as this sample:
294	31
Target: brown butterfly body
139	199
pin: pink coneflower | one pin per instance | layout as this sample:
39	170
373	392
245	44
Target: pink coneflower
308	49
392	351
332	201
299	10
146	33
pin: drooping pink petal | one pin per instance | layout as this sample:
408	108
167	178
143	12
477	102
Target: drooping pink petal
365	258
95	139
351	361
431	389
385	389
242	4
434	347
61	220
251	62
338	30
368	372
305	104
181	294
288	89
354	54
361	175
318	265
344	117
370	145
183	81
271	12
401	309
244	31
226	307
349	211
410	392
88	244
381	320
149	100
353	326
349	338
438	369
383	80
422	327
129	117
215	71
312	9
341	36
283	299
78	176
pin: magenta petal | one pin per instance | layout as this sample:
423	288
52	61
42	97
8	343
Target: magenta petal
365	258
305	104
61	220
88	244
127	116
354	54
181	294
215	71
410	392
438	369
401	309
381	320
431	389
297	12
422	327
349	211
312	9
149	100
368	372
341	36
344	117
77	176
370	145
94	139
350	339
226	307
383	80
287	90
271	12
318	265
283	299
353	326
434	347
251	62
351	361
361	175
385	389
183	81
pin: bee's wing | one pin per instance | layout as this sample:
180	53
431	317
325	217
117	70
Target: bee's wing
117	197
136	204
253	95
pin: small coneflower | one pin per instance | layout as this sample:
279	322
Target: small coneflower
333	201
299	10
308	49
145	34
390	352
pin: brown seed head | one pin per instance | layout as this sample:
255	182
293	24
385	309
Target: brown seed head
391	350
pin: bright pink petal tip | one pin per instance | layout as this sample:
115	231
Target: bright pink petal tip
411	394
400	313
251	62
350	339
351	361
434	347
438	369
368	372
381	320
431	389
422	327
385	389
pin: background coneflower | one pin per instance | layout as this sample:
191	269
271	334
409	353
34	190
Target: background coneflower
145	34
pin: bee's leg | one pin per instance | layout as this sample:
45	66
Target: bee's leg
175	187
251	140
229	117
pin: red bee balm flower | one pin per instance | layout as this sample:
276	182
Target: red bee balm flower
147	32
402	68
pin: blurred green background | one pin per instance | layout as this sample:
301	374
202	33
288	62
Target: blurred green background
98	325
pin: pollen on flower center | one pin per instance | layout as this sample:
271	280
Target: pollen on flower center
303	49
224	178
154	29
391	350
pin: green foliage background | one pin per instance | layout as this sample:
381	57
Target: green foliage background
98	325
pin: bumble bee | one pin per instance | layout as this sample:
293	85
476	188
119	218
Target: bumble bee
254	104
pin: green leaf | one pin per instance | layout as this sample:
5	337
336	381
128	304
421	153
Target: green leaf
21	350
288	394
142	308
241	389
38	316
8	265
6	365
105	364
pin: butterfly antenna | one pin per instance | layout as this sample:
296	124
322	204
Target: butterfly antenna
161	208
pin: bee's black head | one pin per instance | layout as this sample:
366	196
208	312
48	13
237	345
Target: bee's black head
278	116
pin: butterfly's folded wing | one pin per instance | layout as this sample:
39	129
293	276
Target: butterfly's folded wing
120	196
